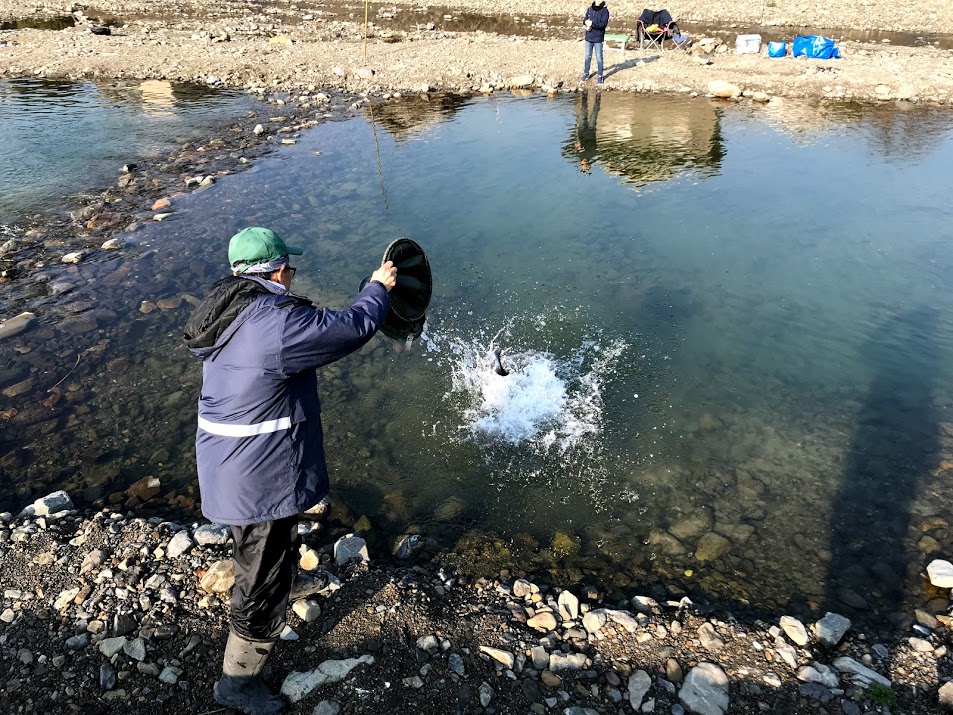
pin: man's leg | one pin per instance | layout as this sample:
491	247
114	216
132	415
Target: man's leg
585	71
599	60
265	565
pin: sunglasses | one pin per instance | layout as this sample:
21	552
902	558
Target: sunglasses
291	271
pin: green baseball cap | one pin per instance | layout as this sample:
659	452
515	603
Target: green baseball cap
255	245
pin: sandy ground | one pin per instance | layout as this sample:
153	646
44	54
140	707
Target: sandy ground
295	49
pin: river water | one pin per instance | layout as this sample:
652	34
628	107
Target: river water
727	326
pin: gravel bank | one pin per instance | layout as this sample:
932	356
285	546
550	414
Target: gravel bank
105	611
301	49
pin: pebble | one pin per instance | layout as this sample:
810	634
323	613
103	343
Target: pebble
504	657
110	646
107	676
709	638
350	548
543	622
77	642
831	629
940	573
705	691
170	675
307	610
212	535
639	684
455	664
794	630
135	649
945	696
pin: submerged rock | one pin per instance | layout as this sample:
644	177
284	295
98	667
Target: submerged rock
939	571
16	325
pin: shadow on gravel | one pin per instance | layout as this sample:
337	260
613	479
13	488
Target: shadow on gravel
628	64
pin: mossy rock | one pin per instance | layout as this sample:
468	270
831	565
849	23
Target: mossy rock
565	545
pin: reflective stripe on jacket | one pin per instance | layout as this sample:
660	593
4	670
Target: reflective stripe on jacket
259	445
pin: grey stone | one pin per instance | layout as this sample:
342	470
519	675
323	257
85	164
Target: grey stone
124	624
486	694
407	545
212	535
428	643
135	649
818	673
455	664
815	691
644	604
595	620
77	642
861	675
107	676
16	325
639	684
712	546
624	619
299	685
794	630
52	503
350	548
920	645
849	707
93	560
566	661
710	639
540	657
415	682
503	657
170	675
179	544
326	707
831	629
110	646
705	691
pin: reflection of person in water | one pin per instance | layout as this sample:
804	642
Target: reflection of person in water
586	130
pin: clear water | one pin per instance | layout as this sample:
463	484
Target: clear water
61	137
728	331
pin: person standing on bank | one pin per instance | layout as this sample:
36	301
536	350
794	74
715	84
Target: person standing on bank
259	445
596	22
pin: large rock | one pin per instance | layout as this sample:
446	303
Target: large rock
179	544
693	526
299	685
860	674
831	628
723	89
16	325
52	503
639	684
595	619
350	548
940	573
705	691
624	619
212	535
794	630
219	577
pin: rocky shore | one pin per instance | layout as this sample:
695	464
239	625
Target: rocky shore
294	48
105	611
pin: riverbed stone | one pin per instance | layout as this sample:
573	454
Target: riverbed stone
543	622
945	696
709	638
179	544
639	684
940	573
831	629
694	526
705	691
212	535
350	548
219	577
298	685
307	610
595	620
326	707
110	646
568	602
503	657
794	630
860	674
16	325
567	661
135	649
712	546
52	503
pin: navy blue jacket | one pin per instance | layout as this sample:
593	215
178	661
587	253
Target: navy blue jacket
259	445
599	14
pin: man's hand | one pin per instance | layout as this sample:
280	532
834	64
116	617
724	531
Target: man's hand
588	23
386	275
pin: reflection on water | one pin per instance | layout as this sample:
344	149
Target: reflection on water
751	372
56	131
645	144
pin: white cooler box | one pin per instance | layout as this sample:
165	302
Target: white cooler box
748	44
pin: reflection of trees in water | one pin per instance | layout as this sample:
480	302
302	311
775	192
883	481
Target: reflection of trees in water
646	140
898	131
409	118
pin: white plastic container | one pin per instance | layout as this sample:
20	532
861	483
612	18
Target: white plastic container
748	44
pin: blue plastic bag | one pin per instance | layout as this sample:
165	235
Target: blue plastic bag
815	47
777	49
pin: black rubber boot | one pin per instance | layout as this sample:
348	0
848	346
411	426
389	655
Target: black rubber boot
241	686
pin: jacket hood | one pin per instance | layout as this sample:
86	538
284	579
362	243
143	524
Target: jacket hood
219	311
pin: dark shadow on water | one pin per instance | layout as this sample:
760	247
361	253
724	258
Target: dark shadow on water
895	446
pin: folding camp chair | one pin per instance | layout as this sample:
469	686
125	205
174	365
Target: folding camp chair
654	27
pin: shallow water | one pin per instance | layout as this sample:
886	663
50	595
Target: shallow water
728	330
60	137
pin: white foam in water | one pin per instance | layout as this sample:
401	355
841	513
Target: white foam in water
549	403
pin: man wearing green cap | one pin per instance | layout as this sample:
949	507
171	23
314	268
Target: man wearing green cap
259	445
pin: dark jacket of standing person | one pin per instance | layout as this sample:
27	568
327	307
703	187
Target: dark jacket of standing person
259	446
598	12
